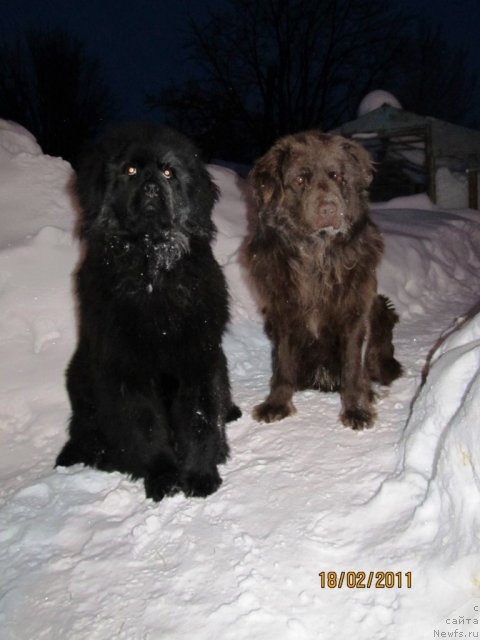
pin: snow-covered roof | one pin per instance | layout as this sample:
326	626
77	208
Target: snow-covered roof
386	119
447	139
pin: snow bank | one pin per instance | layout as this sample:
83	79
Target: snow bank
84	555
431	257
452	188
34	189
442	449
425	516
15	139
418	202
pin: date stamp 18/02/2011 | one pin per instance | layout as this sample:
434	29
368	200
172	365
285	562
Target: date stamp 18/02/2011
365	579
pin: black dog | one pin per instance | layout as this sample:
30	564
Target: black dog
148	383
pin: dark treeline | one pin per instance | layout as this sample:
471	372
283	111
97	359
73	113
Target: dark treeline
51	86
271	67
260	69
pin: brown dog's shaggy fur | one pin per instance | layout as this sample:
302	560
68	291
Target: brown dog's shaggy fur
313	257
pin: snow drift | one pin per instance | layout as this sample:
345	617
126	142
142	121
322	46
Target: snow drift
84	555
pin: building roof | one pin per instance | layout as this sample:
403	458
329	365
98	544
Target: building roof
386	119
448	140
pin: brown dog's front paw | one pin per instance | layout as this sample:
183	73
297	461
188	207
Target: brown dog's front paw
358	419
269	412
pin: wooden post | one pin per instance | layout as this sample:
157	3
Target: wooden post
472	175
430	164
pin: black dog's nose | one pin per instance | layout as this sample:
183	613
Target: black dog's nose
151	189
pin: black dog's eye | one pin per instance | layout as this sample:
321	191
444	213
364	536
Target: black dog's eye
131	170
167	172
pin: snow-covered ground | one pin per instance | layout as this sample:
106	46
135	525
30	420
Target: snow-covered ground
83	554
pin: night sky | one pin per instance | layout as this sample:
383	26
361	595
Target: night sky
139	43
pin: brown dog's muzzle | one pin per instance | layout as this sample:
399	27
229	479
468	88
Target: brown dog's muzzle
330	215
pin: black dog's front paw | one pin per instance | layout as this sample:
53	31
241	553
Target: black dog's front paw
358	419
70	454
234	413
201	485
158	485
74	453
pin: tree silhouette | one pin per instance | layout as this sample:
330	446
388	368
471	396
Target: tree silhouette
54	89
434	78
270	67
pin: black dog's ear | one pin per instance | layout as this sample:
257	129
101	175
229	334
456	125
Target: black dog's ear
362	162
208	194
203	193
90	186
95	170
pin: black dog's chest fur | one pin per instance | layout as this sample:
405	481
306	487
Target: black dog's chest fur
136	266
159	308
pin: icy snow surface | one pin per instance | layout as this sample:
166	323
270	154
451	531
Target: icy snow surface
83	554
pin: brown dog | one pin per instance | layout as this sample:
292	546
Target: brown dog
313	257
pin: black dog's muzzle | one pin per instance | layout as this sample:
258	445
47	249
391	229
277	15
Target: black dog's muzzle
151	189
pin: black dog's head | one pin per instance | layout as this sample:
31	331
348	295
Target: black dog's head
141	180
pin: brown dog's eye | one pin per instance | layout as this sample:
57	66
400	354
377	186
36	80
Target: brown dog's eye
168	173
300	181
131	171
334	175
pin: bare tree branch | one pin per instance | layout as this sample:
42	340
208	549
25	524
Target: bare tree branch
53	88
270	67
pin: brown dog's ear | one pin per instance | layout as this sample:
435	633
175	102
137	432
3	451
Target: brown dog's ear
362	160
266	179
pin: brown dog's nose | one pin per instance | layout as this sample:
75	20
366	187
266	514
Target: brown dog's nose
330	214
151	189
328	209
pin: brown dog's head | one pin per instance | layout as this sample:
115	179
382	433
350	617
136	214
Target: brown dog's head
313	182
